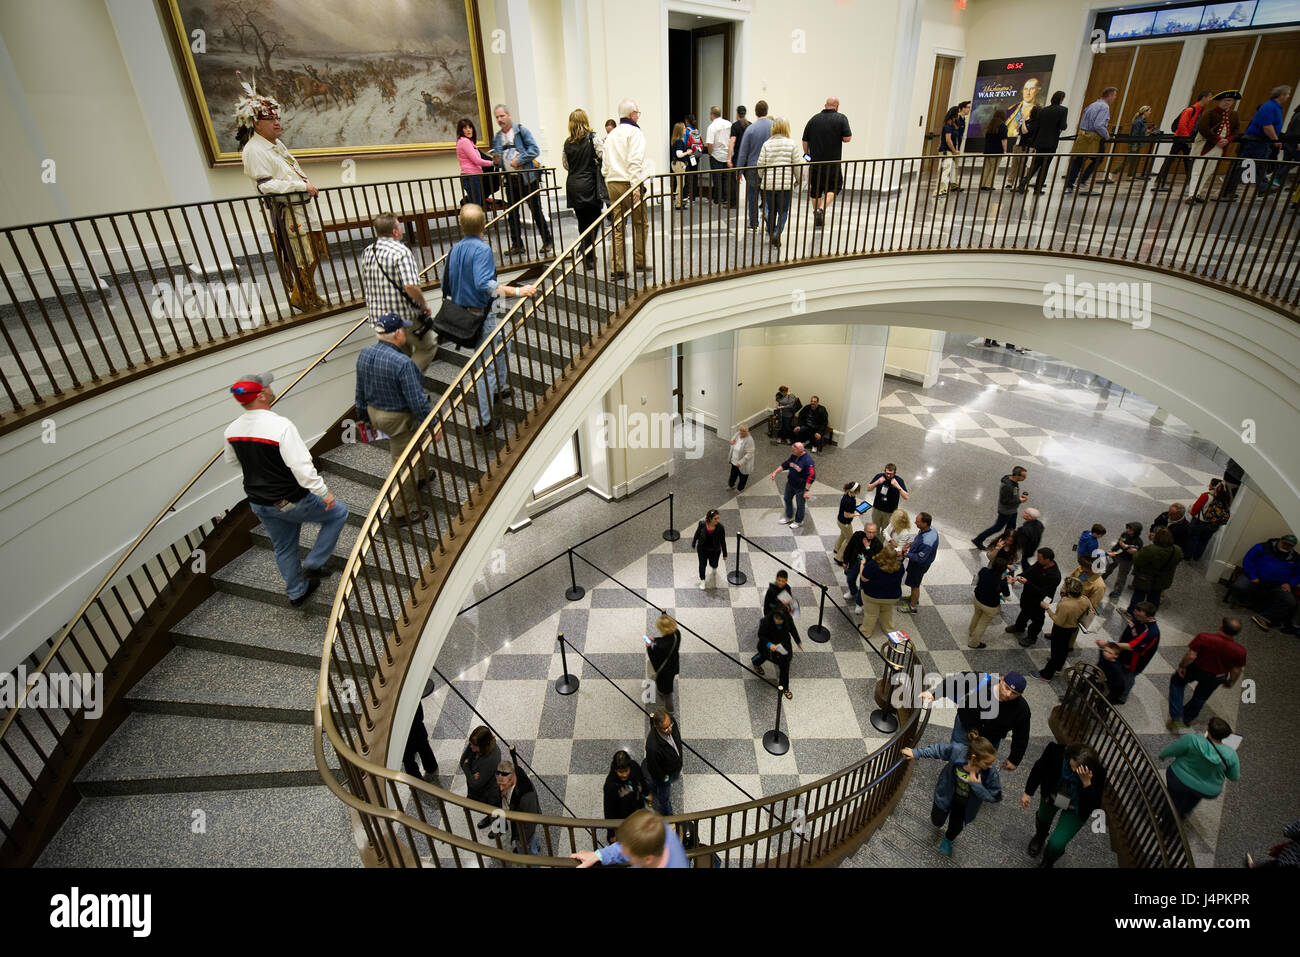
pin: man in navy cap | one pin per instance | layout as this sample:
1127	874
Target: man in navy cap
390	396
992	706
282	485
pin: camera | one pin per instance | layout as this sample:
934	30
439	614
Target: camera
423	324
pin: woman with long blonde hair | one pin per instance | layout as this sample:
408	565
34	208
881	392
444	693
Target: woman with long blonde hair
779	172
582	156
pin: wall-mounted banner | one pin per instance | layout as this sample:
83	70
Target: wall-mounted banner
1015	85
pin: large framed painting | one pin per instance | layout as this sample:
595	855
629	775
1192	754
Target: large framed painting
353	77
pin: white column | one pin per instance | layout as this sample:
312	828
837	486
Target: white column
518	66
907	40
865	376
576	71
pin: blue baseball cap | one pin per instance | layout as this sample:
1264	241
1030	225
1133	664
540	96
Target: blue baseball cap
390	322
1015	681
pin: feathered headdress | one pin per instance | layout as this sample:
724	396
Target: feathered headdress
253	106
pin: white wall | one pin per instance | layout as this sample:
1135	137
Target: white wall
69	507
708	390
943	31
914	354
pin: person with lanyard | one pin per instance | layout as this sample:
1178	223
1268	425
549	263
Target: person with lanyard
470	281
800	474
644	841
777	637
297	235
710	544
1259	141
1215	130
1073	782
968	779
888	487
1091	138
1201	765
844	517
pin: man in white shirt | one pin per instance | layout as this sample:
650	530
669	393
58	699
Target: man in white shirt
717	141
283	487
624	167
296	233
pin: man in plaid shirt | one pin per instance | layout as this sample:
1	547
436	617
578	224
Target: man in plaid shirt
392	286
390	396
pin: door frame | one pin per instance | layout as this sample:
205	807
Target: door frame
726	31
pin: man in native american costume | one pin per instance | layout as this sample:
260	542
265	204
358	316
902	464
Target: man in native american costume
289	198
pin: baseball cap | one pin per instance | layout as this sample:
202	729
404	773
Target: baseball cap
1015	681
249	387
1290	540
390	322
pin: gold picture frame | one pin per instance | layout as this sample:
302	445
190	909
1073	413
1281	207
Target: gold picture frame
329	85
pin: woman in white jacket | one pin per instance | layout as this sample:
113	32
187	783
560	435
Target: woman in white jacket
778	173
742	458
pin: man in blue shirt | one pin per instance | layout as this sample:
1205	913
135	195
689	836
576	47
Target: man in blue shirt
920	556
1091	138
515	150
758	133
644	840
799	472
1257	143
470	281
390	396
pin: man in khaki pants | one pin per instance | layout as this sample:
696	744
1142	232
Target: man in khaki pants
623	166
390	396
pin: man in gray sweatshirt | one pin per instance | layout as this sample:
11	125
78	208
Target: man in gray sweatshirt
1010	499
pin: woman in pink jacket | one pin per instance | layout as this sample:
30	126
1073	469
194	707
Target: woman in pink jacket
472	163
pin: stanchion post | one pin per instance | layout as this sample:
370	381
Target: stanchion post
566	683
885	717
819	632
670	533
574	591
774	741
737	577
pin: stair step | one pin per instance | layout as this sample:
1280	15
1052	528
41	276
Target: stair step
259	827
267	632
351	477
166	753
192	681
254	575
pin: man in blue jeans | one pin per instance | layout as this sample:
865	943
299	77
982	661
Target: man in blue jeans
800	472
283	488
470	281
1010	499
515	150
1212	660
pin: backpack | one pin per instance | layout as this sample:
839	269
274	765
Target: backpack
1215	513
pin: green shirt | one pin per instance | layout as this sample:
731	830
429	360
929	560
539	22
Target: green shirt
1201	764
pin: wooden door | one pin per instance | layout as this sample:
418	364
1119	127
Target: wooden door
1108	69
940	91
1223	67
1148	85
1277	62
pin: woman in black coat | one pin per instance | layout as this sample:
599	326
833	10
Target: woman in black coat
1073	782
582	160
664	661
479	762
625	790
710	544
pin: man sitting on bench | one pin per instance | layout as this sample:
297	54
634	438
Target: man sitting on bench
1269	578
811	425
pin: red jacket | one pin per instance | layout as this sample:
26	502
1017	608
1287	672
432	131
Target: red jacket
1186	125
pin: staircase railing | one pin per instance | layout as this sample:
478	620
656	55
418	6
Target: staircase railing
1139	810
544	345
99	299
92	643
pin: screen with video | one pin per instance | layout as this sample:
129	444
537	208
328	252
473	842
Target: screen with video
1128	26
1182	20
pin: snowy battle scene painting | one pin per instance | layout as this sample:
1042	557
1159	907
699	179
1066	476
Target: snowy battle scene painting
351	76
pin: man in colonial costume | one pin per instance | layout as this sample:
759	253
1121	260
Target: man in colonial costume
1215	130
287	195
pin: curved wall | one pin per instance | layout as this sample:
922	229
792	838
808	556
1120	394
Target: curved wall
1224	365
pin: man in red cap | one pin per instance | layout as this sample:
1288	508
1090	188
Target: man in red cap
283	488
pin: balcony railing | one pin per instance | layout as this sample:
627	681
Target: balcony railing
90	301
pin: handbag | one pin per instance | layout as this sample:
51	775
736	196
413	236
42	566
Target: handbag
458	324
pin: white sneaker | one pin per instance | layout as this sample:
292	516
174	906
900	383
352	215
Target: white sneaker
848	595
783	521
701	584
795	526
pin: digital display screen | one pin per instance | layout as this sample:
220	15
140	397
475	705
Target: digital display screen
1127	26
1183	20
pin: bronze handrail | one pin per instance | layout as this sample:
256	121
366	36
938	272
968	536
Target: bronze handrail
1088	714
83	616
540	343
106	294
